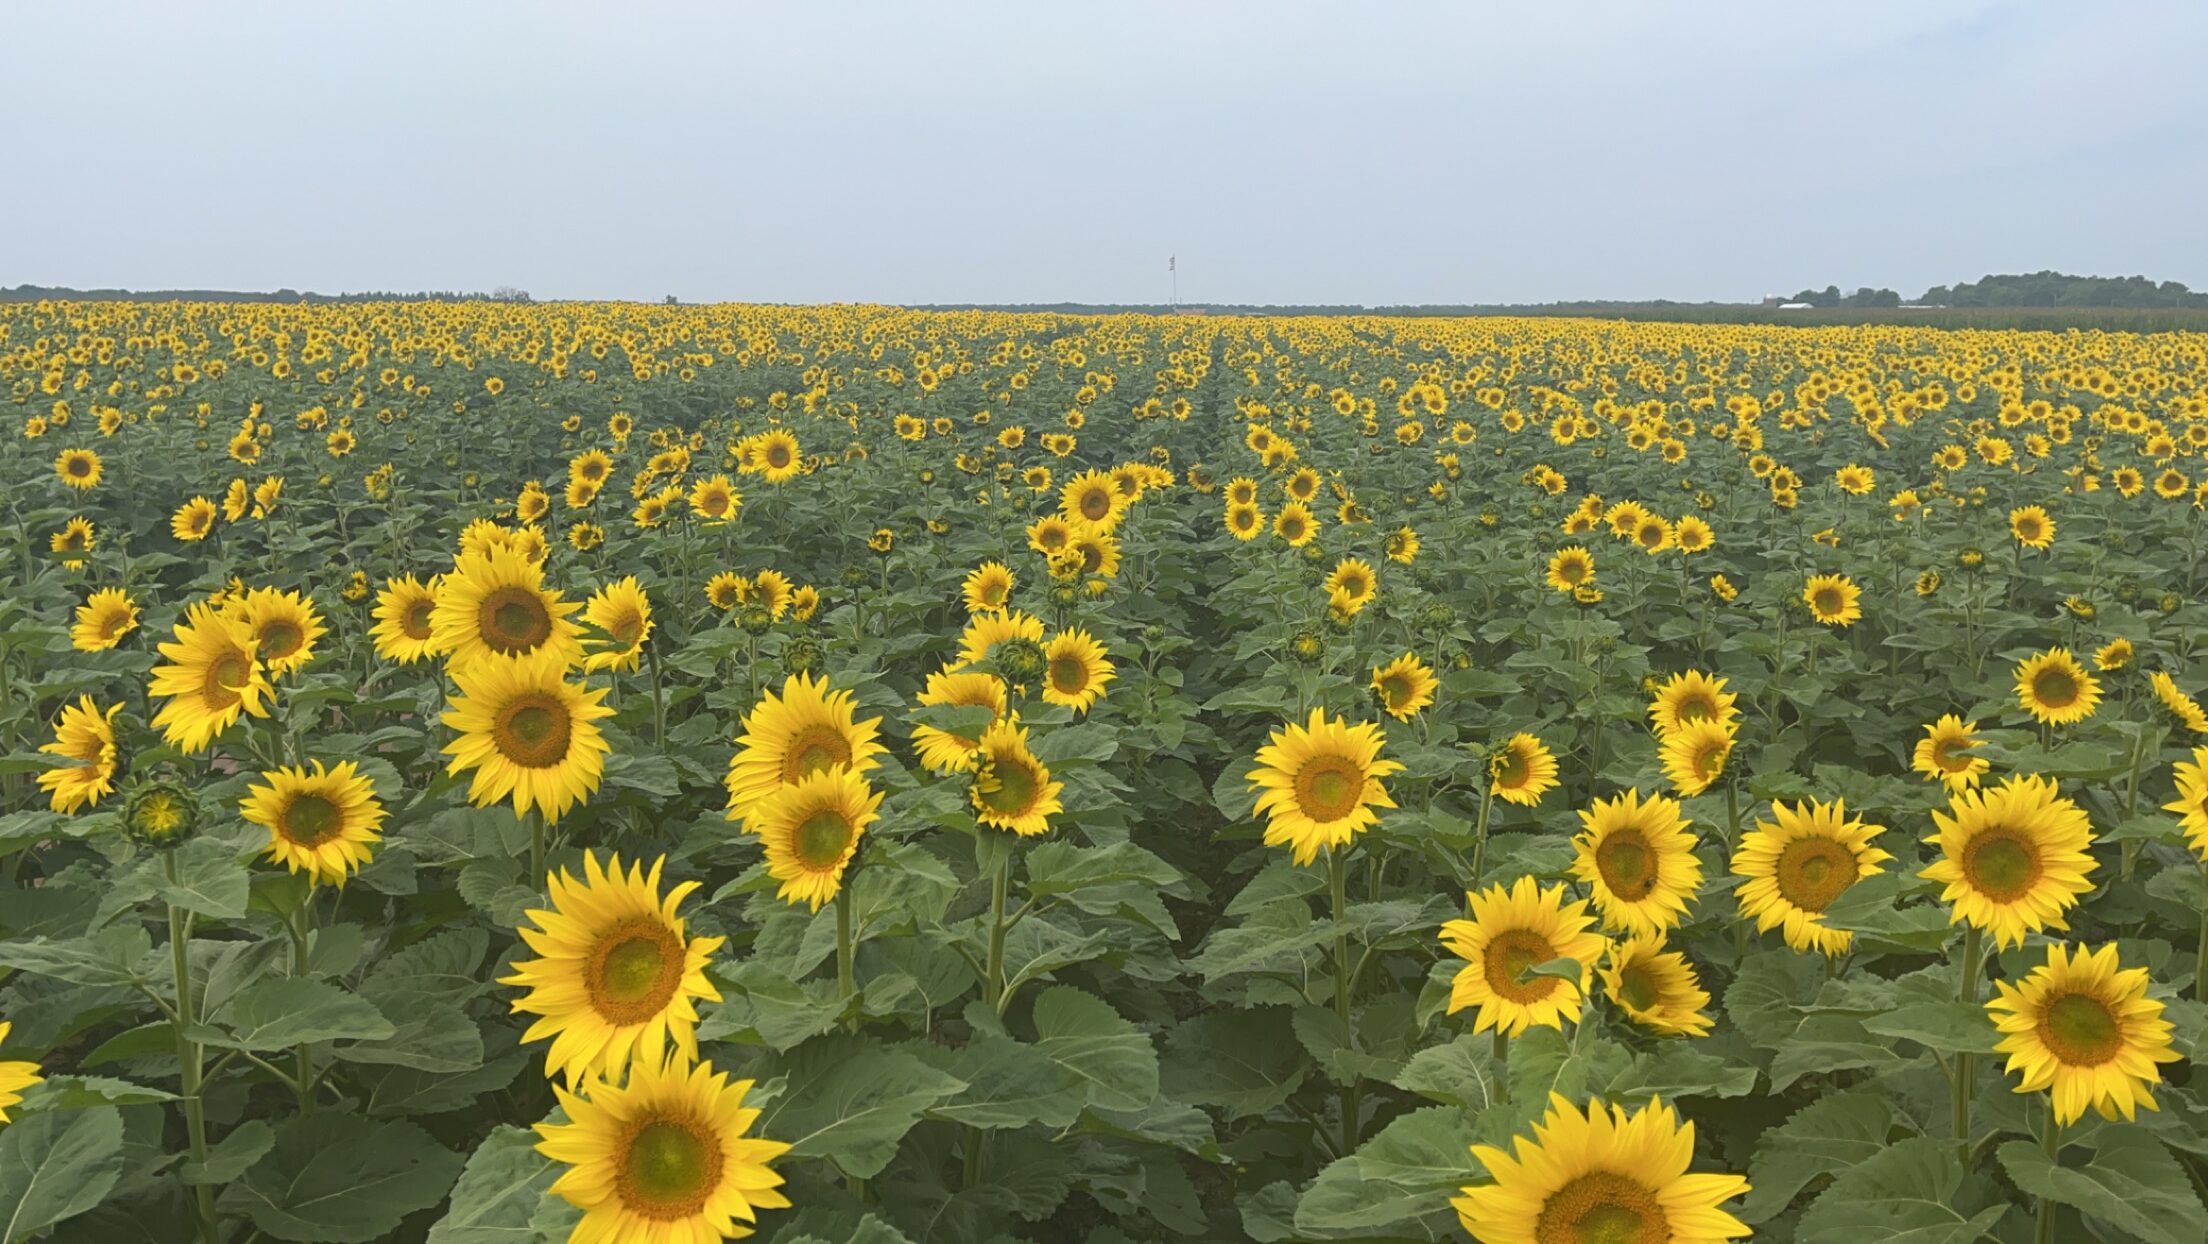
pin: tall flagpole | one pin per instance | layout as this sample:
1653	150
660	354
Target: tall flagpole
1172	265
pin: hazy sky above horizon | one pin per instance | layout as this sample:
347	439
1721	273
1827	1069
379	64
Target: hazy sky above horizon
1374	153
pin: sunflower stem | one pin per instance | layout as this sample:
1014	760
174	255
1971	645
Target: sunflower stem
300	924
1337	868
2044	1232
844	949
2131	800
189	1057
992	982
2200	954
1965	1072
1479	833
1502	1067
659	700
1732	846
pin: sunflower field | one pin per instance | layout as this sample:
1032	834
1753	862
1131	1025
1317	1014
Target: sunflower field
499	774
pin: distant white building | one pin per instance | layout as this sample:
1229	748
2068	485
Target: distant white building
1796	306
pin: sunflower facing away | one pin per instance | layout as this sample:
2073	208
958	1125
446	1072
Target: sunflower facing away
1833	599
2013	858
1694	755
402	631
323	823
1404	687
14	1076
494	605
1639	859
2055	689
1075	670
616	979
664	1158
1522	770
1508	932
285	626
86	735
1943	754
1796	865
2084	1029
807	728
103	619
212	676
529	735
811	831
1656	988
1603	1177
1689	697
622	613
1012	789
1319	784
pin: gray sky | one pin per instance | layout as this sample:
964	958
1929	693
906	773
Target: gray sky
1371	152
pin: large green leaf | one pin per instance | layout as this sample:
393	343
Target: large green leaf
57	1165
499	1193
286	1011
1903	1194
1087	1037
851	1101
1826	1137
1011	1084
2132	1184
342	1179
1243	1061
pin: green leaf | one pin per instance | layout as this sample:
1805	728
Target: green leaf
109	957
1428	1149
341	1178
851	1101
83	1092
1826	1137
57	1165
1461	1073
1009	1084
2132	1184
210	879
498	1195
1947	1026
1243	1061
231	1156
1088	1038
1903	1194
1059	867
286	1011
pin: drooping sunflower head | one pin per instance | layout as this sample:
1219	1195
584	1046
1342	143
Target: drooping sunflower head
1691	697
2012	857
213	674
74	541
1600	1177
494	607
811	830
806	728
2082	1028
1319	782
616	978
1509	931
988	588
322	822
1075	670
1404	687
1012	789
1943	754
1798	864
2055	689
1656	988
84	736
528	734
621	613
1522	770
402	632
285	627
1638	857
1833	599
103	619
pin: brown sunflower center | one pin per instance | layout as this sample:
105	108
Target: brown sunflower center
1627	864
1092	557
627	630
1511	769
2054	687
226	675
514	621
280	638
1396	690
79	467
2002	864
1328	788
1245	519
1009	788
1291	527
1095	505
1638	989
1506	959
669	1169
633	971
778	456
1572	570
1651	536
812	749
311	820
2081	1030
533	731
415	620
1602	1208
820	840
1812	872
1827	601
1069	675
114	623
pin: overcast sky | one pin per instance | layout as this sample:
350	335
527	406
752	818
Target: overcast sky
1367	152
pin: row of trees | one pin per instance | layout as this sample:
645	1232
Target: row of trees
2034	289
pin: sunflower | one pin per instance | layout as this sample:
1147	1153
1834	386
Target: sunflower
1320	783
1606	1176
1091	498
212	676
623	614
807	728
78	468
1011	788
193	520
727	590
1522	770
778	457
1941	755
1797	865
1242	490
615	979
1076	670
285	626
2113	655
1692	535
1694	755
1098	551
2031	527
1639	859
235	499
2191	804
321	823
2180	706
2055	689
402	614
989	588
1507	932
988	630
1295	525
1689	697
811	830
1353	577
74	541
1656	988
663	1158
1570	567
1833	599
103	619
14	1076
940	750
2013	857
86	735
1245	522
494	605
2083	1028
1402	546
1404	687
1050	534
528	734
715	500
